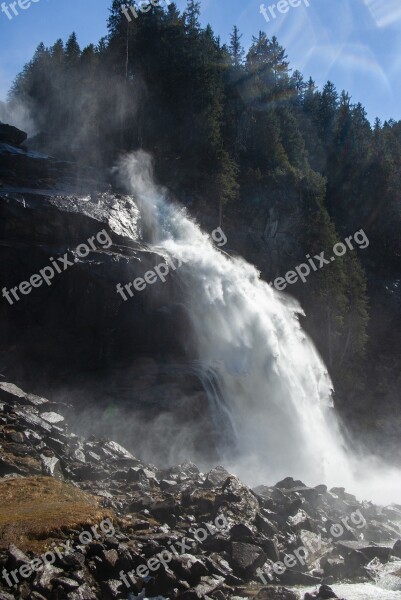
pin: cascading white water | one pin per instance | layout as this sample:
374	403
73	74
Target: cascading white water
274	384
274	395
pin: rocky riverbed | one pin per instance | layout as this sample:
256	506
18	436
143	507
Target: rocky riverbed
176	532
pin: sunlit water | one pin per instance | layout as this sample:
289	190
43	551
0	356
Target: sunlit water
387	585
361	591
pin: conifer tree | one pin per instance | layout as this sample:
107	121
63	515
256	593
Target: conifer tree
237	51
72	50
191	17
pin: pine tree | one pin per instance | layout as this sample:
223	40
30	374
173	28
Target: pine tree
298	85
58	53
237	52
258	52
327	111
277	61
72	50
191	17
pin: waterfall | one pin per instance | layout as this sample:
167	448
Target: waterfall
274	392
270	394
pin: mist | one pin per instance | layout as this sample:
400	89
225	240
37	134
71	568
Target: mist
269	382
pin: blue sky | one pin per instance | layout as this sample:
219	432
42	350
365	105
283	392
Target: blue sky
355	43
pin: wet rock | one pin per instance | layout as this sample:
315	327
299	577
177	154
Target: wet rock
187	470
181	567
15	436
246	558
197	568
141	525
10	392
16	557
206	586
110	558
84	592
75	560
7	596
166	510
268	495
112	589
289	484
8	467
240	532
242	503
396	551
78	576
36	596
270	548
325	593
265	526
276	593
33	421
335	567
360	553
66	583
292	577
87	472
37	401
11	135
45	577
216	565
216	477
161	582
52	417
52	466
217	543
118	450
168	485
381	552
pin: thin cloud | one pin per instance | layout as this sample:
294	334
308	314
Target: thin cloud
384	12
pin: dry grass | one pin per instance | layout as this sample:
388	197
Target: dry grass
22	464
34	510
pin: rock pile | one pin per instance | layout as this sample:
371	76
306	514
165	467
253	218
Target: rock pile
218	538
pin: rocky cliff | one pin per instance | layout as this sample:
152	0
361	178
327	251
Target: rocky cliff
75	334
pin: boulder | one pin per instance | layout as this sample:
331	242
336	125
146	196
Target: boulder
216	477
265	526
276	593
84	592
246	558
11	135
396	551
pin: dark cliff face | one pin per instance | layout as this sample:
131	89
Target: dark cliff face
79	316
77	337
